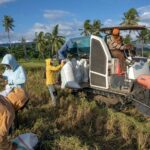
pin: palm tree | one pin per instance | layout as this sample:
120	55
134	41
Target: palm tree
131	17
48	43
87	28
144	36
40	43
8	25
127	39
96	27
23	41
55	40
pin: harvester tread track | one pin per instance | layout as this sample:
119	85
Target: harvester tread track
120	96
124	99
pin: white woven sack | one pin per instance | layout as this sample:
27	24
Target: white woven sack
67	77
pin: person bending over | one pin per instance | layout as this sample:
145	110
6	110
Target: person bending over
11	99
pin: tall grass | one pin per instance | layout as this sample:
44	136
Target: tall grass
78	123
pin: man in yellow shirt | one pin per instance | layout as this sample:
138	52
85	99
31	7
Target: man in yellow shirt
51	78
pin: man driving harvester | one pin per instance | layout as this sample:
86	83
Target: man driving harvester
117	47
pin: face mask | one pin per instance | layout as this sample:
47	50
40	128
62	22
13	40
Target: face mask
8	67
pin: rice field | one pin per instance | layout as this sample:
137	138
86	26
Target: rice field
78	123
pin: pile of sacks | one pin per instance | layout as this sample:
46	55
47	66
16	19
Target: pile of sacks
74	72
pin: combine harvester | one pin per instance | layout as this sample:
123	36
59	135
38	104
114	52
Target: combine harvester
104	76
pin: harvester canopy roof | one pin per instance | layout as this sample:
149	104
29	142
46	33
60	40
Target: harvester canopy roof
127	27
78	47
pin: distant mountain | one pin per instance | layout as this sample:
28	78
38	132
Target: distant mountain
147	46
15	44
138	46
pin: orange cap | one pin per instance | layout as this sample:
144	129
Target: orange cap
115	31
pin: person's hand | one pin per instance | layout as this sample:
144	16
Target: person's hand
63	62
129	46
1	76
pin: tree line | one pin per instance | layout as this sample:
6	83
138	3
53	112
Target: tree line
47	44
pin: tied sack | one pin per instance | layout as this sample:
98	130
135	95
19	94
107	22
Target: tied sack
18	98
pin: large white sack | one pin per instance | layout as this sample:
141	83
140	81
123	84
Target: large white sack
78	74
77	70
74	63
84	67
67	76
26	141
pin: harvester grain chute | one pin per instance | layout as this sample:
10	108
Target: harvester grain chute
104	77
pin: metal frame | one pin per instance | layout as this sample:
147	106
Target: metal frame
108	58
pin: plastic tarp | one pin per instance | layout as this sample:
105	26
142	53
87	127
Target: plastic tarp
76	46
26	141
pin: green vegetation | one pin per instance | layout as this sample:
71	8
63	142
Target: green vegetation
47	44
78	123
131	17
91	29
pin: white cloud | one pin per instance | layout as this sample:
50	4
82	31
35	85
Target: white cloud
5	1
67	29
109	22
144	13
13	37
55	14
70	28
39	27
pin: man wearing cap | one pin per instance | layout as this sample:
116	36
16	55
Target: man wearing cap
117	47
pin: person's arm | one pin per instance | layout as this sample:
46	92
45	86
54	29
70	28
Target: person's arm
114	45
55	68
21	78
